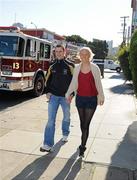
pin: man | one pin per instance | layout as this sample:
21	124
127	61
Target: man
58	78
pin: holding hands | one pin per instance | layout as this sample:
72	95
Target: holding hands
69	99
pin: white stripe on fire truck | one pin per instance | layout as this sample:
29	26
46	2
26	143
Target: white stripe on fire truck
24	74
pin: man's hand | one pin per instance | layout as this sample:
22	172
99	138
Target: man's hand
48	95
69	99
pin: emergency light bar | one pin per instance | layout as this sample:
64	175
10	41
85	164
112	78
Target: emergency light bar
10	28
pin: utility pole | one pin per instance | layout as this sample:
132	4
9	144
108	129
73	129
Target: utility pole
128	35
124	28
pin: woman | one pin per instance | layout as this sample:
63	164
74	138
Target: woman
86	83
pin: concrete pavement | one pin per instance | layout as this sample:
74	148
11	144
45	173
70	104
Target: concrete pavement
111	149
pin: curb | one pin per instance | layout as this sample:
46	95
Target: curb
93	171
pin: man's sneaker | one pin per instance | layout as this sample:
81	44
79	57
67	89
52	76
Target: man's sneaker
45	148
64	139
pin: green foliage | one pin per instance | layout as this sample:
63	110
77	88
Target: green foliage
75	39
111	57
91	46
123	56
100	49
133	60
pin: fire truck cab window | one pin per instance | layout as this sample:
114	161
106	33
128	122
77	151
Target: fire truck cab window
47	51
20	47
28	48
41	50
35	47
8	45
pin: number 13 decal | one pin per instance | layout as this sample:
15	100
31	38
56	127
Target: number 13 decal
16	65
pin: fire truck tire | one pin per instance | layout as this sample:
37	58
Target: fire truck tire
38	86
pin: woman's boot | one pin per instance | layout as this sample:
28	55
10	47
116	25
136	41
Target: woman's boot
82	150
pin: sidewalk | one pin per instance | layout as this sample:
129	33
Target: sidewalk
111	149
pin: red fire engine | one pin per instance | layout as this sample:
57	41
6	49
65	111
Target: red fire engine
71	50
24	61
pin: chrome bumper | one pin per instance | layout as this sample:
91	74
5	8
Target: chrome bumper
15	85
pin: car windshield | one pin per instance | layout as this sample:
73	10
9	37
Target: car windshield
11	46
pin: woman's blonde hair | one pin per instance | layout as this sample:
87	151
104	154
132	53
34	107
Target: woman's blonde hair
89	50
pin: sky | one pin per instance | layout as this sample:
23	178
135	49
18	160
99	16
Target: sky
99	19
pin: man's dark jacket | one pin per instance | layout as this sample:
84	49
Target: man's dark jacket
59	76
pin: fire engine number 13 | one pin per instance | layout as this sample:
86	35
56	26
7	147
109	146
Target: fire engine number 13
16	65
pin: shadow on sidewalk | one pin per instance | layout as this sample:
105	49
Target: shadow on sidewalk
71	168
34	170
9	99
125	158
118	76
123	89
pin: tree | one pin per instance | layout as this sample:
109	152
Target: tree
123	56
100	48
133	60
75	39
90	45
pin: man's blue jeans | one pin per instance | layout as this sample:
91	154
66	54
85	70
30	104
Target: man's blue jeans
53	106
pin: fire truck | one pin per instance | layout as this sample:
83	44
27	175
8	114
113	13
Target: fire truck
71	50
24	61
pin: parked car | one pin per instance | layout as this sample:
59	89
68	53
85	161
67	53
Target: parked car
108	64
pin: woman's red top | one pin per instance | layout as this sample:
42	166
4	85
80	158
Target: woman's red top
86	84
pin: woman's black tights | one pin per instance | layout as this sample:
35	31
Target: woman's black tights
85	116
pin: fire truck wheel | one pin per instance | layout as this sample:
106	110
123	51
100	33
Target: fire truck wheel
38	86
